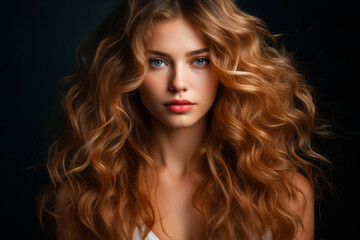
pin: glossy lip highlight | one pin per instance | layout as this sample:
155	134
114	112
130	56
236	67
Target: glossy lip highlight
178	102
179	106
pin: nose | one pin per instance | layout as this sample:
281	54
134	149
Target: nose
178	81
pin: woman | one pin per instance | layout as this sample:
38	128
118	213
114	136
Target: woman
183	122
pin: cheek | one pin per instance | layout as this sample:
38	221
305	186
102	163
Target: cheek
148	85
150	89
207	84
147	91
154	81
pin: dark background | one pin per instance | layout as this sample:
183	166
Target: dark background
38	43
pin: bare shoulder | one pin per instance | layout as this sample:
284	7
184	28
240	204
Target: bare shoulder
303	185
303	206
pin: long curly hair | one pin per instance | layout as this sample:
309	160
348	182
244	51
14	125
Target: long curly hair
261	126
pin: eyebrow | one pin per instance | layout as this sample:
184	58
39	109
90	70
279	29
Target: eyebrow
195	52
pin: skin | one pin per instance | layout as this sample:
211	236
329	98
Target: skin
303	205
178	69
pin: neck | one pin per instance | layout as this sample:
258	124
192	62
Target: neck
177	148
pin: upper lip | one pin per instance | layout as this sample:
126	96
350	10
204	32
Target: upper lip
178	102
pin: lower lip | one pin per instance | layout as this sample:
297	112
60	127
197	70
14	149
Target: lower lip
180	108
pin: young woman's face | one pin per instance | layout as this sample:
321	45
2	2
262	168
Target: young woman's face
180	86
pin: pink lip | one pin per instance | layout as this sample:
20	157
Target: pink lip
179	106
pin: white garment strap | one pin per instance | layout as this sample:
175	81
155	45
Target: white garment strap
139	235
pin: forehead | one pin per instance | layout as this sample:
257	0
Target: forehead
175	34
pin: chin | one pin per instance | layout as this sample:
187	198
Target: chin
180	121
180	124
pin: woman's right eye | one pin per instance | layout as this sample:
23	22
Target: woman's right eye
156	62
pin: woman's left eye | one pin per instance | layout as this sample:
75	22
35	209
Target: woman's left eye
200	61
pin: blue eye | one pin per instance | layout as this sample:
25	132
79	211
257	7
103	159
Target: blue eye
156	62
200	61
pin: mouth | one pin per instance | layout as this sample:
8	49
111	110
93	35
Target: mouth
179	106
178	102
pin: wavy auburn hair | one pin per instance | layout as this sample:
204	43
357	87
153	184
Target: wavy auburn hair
260	129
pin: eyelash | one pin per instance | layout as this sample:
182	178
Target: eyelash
205	59
155	60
